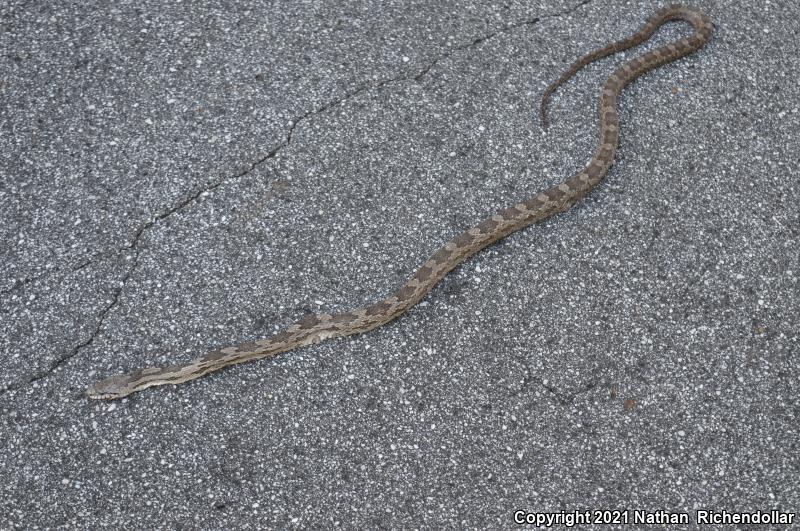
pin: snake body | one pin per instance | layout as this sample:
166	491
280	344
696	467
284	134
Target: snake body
317	327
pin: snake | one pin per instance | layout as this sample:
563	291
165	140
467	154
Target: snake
313	328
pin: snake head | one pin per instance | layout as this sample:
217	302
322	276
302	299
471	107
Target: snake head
111	388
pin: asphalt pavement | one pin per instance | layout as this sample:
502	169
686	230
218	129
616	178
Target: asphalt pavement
179	177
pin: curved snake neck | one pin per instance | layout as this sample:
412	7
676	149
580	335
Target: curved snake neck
314	328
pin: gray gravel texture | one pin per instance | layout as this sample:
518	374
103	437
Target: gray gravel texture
175	177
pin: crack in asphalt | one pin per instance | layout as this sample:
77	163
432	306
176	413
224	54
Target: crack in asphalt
74	267
191	198
61	360
562	398
565	398
488	36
